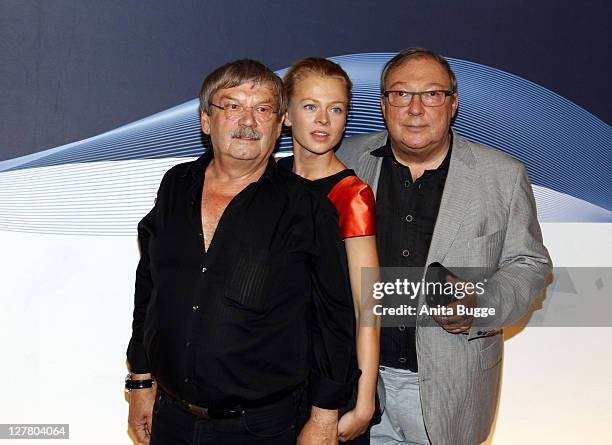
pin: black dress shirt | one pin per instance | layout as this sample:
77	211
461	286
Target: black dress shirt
266	307
406	213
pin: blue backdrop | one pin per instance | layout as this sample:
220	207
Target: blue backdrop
88	82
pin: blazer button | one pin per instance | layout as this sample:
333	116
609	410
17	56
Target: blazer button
405	253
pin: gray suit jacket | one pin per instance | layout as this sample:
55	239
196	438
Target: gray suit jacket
487	219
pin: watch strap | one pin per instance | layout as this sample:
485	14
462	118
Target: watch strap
138	384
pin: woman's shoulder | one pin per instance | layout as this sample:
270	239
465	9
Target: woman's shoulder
350	188
356	206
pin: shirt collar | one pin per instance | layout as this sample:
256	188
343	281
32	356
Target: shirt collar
384	151
197	167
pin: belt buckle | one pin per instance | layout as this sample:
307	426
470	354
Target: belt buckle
229	413
211	413
198	411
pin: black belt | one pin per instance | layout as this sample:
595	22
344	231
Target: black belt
212	413
236	410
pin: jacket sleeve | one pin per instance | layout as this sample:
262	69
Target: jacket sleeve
333	369
523	267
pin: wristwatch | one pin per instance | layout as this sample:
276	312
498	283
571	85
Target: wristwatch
137	384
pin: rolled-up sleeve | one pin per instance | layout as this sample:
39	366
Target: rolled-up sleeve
333	368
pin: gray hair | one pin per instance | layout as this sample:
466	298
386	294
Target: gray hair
236	73
416	53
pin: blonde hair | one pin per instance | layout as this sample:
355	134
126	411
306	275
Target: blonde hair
318	66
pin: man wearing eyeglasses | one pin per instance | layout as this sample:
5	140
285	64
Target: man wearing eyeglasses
443	199
241	289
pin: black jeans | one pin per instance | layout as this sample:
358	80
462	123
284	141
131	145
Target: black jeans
273	424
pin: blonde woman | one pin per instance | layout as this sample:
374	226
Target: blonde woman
318	92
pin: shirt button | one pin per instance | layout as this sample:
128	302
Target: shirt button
204	269
186	380
195	307
409	218
187	343
401	327
407	184
405	253
401	360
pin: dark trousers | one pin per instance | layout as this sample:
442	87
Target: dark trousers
273	424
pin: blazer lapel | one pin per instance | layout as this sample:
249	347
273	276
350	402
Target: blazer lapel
458	191
369	166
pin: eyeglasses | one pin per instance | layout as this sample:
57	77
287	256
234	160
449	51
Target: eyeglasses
434	98
234	111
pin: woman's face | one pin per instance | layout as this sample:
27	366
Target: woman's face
317	113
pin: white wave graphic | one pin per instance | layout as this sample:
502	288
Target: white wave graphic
109	198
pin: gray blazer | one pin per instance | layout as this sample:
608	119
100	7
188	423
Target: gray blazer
487	219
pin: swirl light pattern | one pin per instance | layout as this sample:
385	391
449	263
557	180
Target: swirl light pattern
103	185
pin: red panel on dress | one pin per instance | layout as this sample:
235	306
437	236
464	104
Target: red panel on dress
355	203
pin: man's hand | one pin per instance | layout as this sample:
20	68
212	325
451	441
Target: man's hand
321	428
456	324
354	423
140	416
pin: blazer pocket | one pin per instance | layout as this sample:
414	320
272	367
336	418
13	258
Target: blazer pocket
491	238
491	352
484	251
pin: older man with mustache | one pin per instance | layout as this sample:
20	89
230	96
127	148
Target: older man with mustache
241	289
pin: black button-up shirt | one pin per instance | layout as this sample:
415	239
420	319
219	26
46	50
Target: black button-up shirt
406	213
266	307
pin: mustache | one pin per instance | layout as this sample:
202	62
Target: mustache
246	132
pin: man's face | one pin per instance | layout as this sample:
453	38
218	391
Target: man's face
418	129
245	136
